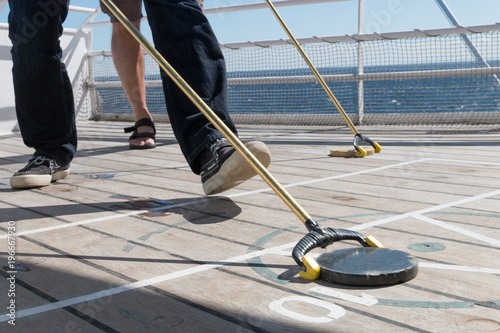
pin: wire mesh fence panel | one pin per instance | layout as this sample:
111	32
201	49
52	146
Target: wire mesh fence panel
449	79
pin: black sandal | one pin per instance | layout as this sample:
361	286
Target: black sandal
139	123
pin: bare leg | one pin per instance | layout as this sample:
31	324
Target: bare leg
128	58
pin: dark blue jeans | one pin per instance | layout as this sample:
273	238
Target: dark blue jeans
43	92
44	100
184	37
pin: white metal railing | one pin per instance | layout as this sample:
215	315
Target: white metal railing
360	76
76	9
445	40
236	8
331	78
89	23
3	3
369	37
93	12
353	38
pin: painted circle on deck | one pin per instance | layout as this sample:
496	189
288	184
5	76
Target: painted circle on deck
427	247
265	271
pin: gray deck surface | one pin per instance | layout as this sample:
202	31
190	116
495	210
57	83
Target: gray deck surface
129	243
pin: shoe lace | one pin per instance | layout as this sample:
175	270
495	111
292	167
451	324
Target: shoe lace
39	160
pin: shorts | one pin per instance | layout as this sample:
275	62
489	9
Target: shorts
130	8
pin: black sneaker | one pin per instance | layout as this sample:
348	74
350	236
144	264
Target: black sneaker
40	171
224	168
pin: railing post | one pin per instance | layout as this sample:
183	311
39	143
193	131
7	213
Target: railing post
452	19
361	92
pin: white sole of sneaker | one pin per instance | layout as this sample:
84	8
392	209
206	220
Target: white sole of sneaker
32	181
235	170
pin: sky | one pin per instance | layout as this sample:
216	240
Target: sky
328	19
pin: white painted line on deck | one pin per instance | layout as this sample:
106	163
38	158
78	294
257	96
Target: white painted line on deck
138	212
427	210
74	224
142	283
465	161
274	250
363	299
312	181
356	228
205	267
134	213
444	225
105	218
459	268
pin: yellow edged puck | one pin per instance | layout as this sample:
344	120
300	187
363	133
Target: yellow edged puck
350	151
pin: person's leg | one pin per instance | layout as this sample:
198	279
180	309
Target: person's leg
43	91
183	35
128	58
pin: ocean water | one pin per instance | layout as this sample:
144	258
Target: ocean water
478	94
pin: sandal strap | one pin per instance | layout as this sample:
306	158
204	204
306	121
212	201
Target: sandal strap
142	135
139	123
